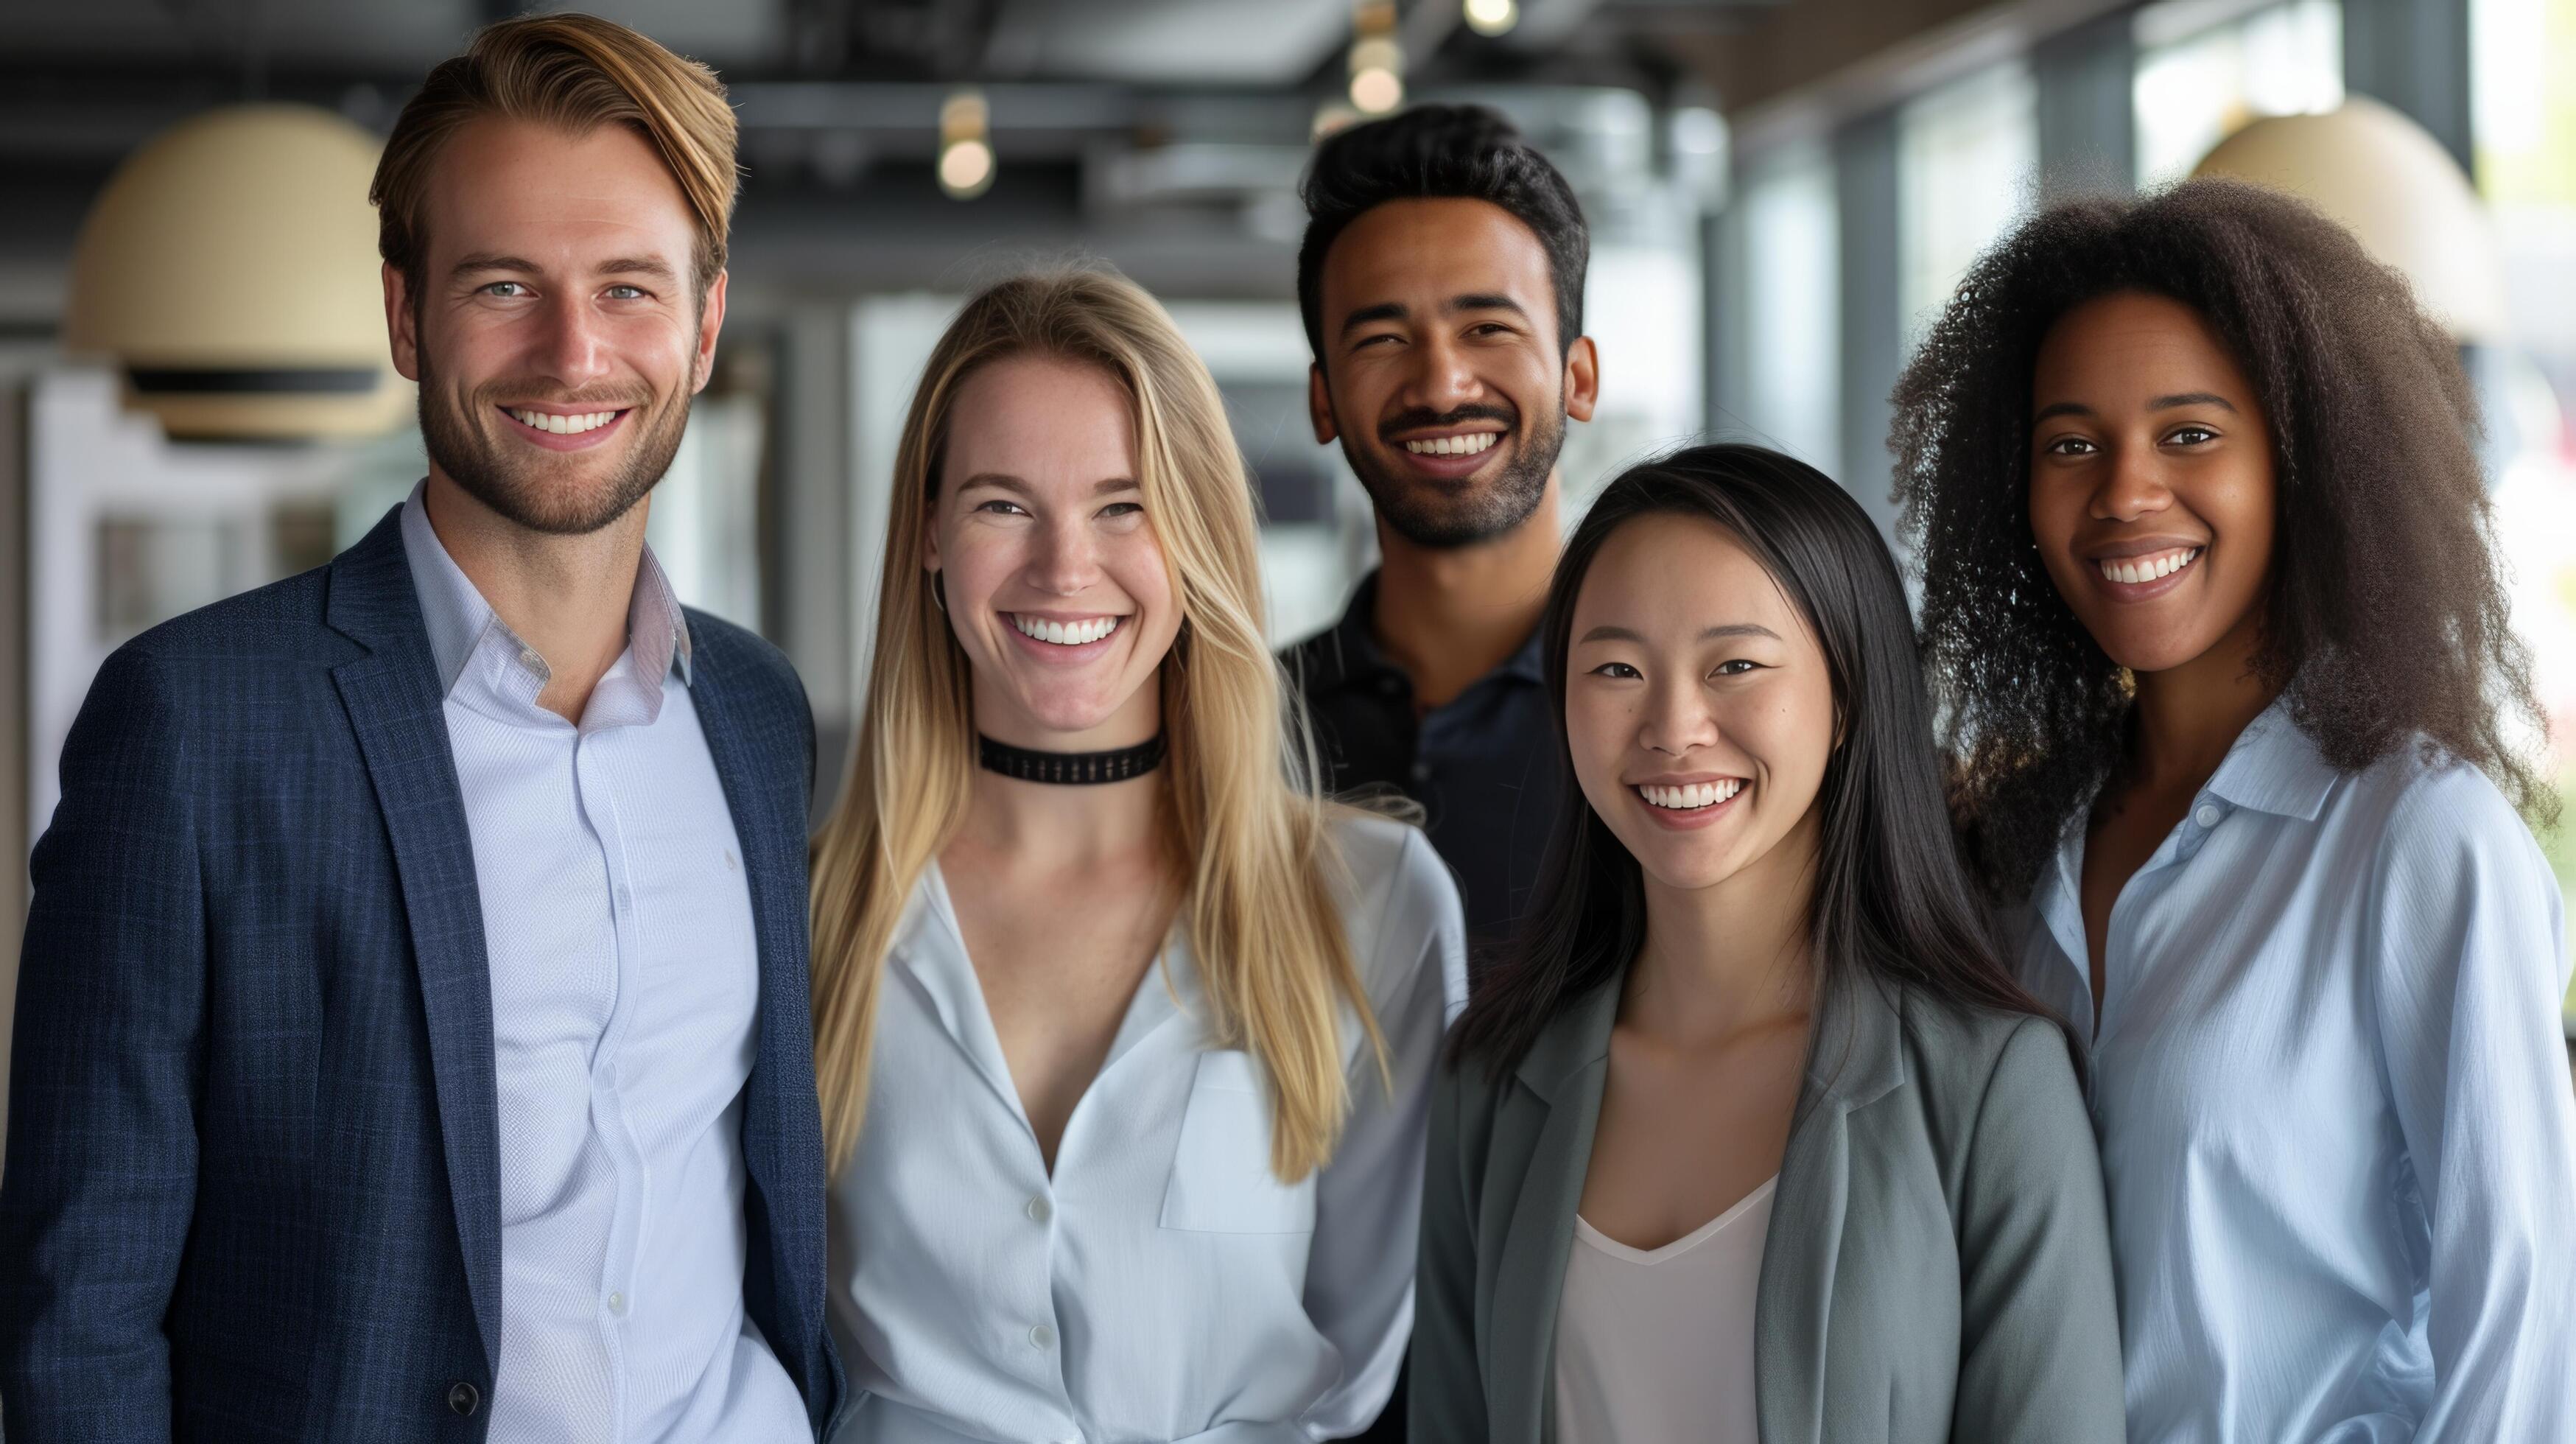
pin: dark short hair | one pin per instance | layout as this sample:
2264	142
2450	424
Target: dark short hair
1440	151
2387	622
1892	905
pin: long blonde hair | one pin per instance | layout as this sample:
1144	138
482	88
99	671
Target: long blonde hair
1273	960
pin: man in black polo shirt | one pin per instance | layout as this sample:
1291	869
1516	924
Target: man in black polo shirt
1442	284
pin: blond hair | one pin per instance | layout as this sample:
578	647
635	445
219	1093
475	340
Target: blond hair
1273	960
576	72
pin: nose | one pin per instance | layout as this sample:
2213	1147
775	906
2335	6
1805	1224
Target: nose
2131	487
1441	380
1676	720
571	346
1065	558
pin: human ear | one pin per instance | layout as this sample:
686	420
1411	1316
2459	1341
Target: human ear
1319	405
1582	378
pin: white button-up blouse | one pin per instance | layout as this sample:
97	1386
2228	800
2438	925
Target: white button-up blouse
1163	1284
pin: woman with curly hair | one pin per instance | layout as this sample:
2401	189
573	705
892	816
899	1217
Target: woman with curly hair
2216	627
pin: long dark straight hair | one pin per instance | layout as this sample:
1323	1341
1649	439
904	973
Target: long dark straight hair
1892	901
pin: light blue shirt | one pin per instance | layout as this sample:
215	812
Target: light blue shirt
625	984
2336	1125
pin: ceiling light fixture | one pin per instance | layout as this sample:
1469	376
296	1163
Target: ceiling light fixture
1377	61
965	146
229	270
1492	17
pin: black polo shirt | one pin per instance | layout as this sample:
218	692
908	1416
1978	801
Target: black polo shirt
1483	767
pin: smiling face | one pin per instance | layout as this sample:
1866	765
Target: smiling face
1698	705
2151	487
1055	584
556	335
1442	375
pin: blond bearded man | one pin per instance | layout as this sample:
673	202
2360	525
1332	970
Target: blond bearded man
412	1030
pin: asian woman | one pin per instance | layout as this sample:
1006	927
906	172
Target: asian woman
1752	1137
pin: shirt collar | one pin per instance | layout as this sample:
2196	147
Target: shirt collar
457	617
2275	767
1353	655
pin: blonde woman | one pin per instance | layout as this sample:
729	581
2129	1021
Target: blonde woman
1125	1041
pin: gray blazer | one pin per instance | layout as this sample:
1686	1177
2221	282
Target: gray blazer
1937	1267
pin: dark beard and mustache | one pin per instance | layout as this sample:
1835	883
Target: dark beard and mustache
533	487
1439	518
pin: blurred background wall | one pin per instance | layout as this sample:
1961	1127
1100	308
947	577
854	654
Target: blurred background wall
1782	193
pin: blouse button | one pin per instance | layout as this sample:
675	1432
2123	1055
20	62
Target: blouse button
2208	815
1042	1336
1037	1210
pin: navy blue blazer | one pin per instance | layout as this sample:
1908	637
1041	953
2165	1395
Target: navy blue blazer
252	1177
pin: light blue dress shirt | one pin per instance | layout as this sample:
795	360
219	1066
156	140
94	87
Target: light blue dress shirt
625	984
2336	1124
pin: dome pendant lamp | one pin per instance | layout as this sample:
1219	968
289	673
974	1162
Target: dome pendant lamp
2400	194
229	270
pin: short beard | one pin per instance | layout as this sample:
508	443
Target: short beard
1438	520
517	485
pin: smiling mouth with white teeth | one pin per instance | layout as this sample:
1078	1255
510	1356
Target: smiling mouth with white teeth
561	425
1690	797
1467	445
2151	567
1064	634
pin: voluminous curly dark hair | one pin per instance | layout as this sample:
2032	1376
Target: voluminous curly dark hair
1441	151
2385	621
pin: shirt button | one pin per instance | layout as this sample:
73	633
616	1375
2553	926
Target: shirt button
731	862
1038	1211
2207	816
1042	1336
625	899
617	1304
528	656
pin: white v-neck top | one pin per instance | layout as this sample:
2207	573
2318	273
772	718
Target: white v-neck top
1658	1344
1163	1284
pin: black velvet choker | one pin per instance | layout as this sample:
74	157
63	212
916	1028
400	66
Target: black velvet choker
1073	767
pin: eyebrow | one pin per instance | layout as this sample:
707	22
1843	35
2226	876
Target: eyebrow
1709	634
2160	403
621	266
1469	301
1004	481
487	261
637	266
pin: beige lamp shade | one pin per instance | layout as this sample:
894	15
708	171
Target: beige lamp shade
2398	191
230	269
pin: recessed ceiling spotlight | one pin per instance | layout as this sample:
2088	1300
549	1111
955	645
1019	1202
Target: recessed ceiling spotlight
1492	17
965	146
1377	91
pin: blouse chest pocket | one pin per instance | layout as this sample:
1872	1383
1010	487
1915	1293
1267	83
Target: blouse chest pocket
1221	1178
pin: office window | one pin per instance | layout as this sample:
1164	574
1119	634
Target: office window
1793	306
2523	117
2205	68
1967	166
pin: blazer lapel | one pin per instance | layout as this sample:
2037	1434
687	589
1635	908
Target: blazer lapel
773	848
396	709
753	744
1855	1060
1559	1101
